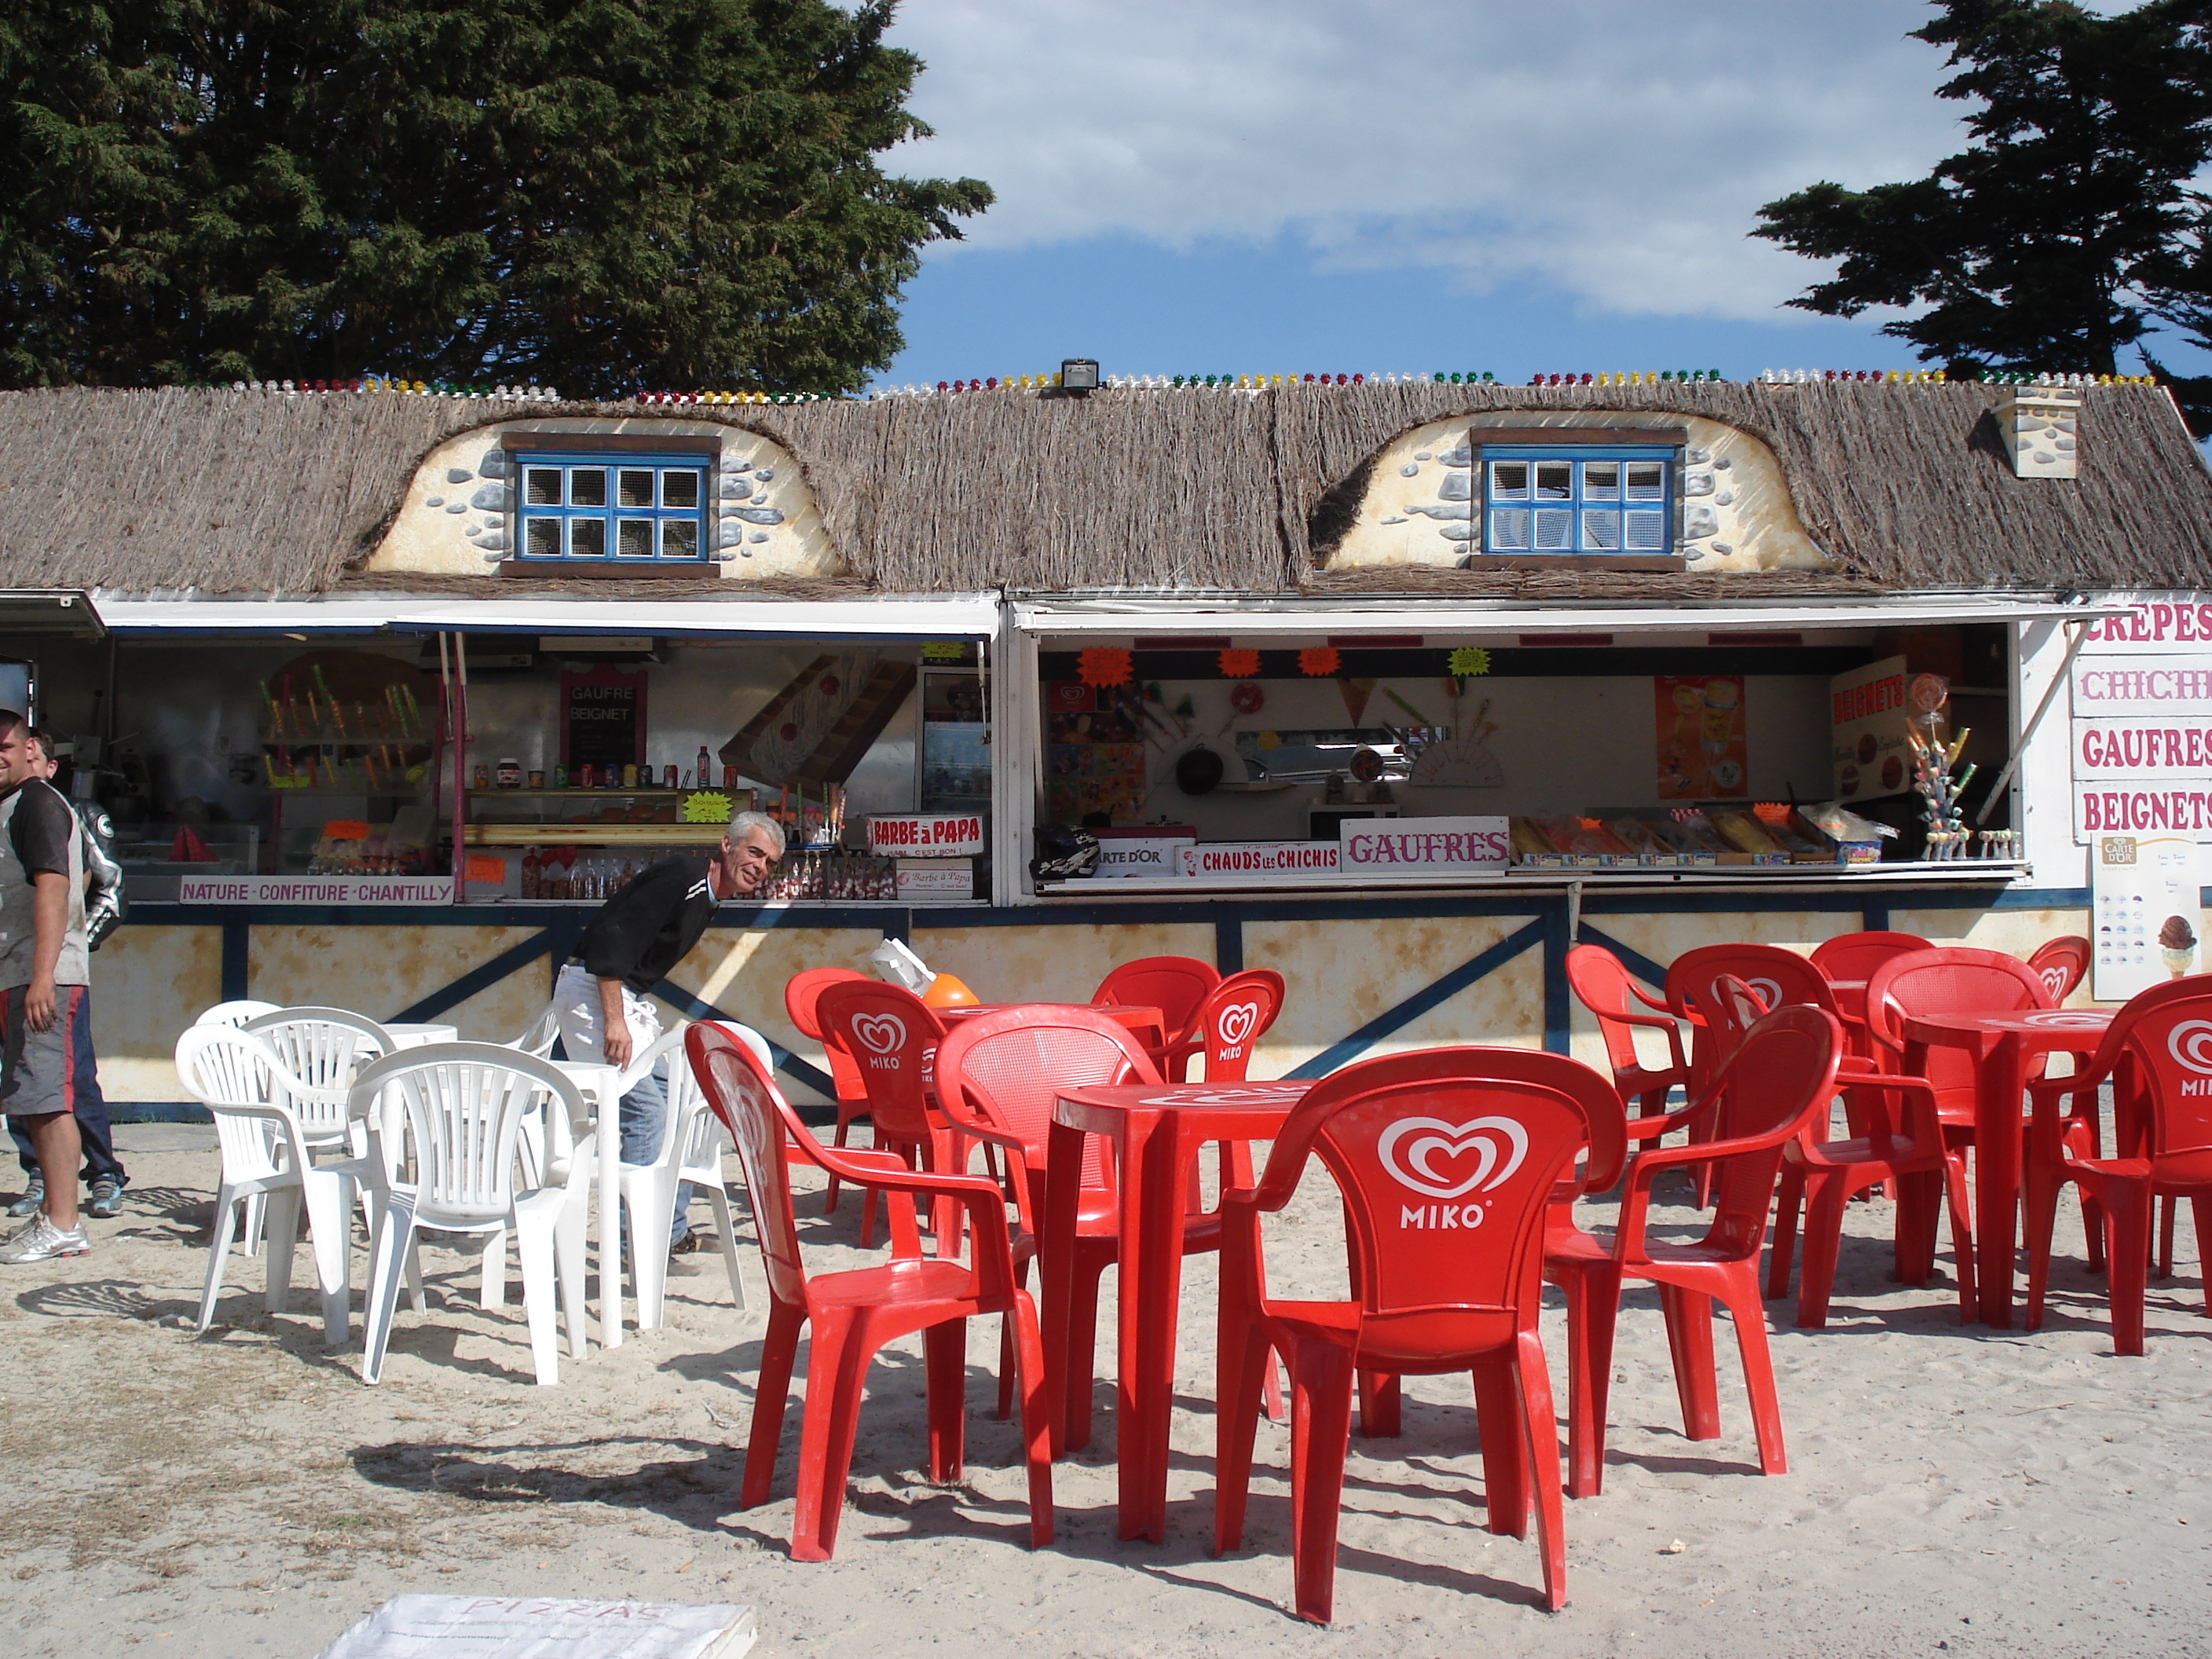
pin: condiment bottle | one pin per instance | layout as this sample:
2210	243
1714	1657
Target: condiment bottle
704	764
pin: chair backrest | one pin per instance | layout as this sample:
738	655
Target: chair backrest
802	996
462	1104
236	1011
1008	1068
745	1099
1949	979
2166	1033
1445	1181
694	1134
1232	1019
1176	986
323	1048
2060	963
1781	1074
242	1082
538	1037
1780	977
892	1036
1600	984
1856	956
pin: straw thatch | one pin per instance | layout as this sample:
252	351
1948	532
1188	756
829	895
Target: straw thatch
1904	486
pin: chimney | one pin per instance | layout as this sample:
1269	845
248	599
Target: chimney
2039	422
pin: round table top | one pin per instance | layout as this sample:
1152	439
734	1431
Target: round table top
1192	1096
419	1034
2052	1022
1124	1013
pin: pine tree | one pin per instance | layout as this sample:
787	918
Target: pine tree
598	194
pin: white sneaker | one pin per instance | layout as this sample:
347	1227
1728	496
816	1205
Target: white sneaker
42	1240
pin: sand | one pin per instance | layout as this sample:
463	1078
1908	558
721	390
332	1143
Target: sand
1951	1489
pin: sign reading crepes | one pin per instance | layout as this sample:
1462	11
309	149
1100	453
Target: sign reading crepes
314	889
1378	846
2142	736
926	834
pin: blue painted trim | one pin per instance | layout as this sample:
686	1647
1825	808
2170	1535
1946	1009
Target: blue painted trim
1875	918
1228	945
1635	961
1434	994
482	977
237	954
158	1111
1557	1002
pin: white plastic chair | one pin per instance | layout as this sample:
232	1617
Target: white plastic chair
541	1034
236	1013
691	1149
323	1048
244	1084
460	1107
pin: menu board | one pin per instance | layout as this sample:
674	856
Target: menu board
1094	750
1702	751
603	717
2148	908
2142	738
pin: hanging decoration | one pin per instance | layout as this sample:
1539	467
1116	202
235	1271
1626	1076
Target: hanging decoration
1318	662
1239	665
1104	664
1469	661
1248	698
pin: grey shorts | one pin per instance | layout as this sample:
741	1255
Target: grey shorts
37	1069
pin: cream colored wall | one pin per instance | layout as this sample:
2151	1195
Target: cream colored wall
1728	471
148	983
428	537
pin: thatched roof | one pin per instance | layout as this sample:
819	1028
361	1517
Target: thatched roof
1907	486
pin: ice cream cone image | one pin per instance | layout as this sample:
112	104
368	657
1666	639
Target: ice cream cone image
2177	945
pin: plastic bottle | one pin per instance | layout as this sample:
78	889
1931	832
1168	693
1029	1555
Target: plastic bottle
704	764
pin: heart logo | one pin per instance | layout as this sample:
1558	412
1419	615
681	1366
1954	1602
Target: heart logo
1236	1023
2190	1042
1408	1146
1769	992
883	1034
1256	1094
2054	978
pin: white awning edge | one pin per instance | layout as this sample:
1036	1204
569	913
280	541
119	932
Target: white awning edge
918	616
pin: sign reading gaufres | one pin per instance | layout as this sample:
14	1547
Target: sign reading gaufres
315	889
2141	737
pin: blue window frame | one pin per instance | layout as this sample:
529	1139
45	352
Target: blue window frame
611	508
1578	499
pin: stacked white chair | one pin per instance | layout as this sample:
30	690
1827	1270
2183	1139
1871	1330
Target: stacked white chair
459	1109
237	1011
324	1047
691	1150
241	1080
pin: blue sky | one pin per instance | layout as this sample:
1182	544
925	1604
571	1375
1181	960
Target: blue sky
1213	186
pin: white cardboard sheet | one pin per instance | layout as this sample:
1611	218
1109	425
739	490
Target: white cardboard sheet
537	1627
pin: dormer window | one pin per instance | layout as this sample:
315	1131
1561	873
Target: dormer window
611	508
1582	499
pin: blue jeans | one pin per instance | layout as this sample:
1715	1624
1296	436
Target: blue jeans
644	1120
88	1106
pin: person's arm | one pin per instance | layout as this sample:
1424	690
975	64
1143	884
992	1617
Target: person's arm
43	830
49	921
616	940
613	1024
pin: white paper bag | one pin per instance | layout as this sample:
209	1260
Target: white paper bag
537	1627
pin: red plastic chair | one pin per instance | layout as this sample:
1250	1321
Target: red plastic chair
1427	1298
1779	977
802	994
1777	1081
854	1313
1178	987
1231	1019
2061	963
891	1036
2158	1054
1952	979
1611	994
1856	956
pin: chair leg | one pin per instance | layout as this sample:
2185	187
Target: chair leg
1006	1348
1241	1349
568	1261
1497	1413
1962	1234
1082	1353
1689	1317
1321	1437
280	1242
2039	1189
1823	1238
1790	1194
650	1201
1531	1381
1749	1317
846	1114
2169	1208
771	1398
836	1367
945	1358
1379	1405
395	1247
1037	1417
2127	1262
492	1292
227	1205
533	1243
329	1201
257	1208
2197	1208
1593	1309
718	1201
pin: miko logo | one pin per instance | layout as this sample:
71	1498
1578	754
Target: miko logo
883	1036
1236	1026
1769	992
2191	1043
1409	1150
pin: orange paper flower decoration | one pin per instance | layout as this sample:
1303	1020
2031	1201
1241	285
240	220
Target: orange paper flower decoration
1239	665
1103	665
1318	660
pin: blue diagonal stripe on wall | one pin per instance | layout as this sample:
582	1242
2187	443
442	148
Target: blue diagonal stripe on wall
1635	961
482	977
786	1062
1431	995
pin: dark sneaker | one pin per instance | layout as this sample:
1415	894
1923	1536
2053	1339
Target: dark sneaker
42	1240
33	1196
690	1244
107	1200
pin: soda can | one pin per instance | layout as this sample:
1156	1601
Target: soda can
630	776
483	776
668	777
584	775
729	777
560	777
536	779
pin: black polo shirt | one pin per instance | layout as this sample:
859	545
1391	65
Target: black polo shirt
648	926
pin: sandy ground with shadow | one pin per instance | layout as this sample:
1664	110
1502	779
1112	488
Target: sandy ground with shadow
1952	1488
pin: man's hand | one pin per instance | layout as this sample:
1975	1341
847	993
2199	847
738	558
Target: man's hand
614	1025
49	920
38	1004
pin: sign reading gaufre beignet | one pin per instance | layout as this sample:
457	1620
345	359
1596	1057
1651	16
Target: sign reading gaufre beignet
1380	846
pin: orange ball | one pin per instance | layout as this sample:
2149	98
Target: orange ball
947	992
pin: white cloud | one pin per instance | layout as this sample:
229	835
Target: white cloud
1610	150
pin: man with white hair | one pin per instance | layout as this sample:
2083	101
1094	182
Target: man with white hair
629	947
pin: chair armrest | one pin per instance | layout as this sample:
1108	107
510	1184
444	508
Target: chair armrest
1648	1000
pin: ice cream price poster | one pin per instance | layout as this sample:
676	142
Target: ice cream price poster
2148	913
1703	755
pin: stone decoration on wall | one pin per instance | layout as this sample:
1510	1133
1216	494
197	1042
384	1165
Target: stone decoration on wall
1421	502
457	519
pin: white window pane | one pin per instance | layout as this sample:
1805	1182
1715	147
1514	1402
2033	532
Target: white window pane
636	486
1555	480
1555	529
1508	481
1645	532
637	538
1601	480
588	486
1647	481
679	539
542	486
679	488
587	537
542	538
1509	528
1601	533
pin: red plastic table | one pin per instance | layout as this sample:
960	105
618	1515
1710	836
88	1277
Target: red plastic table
2002	1046
1157	1131
1142	1020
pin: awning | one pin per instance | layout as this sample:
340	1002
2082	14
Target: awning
48	610
1475	618
959	616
